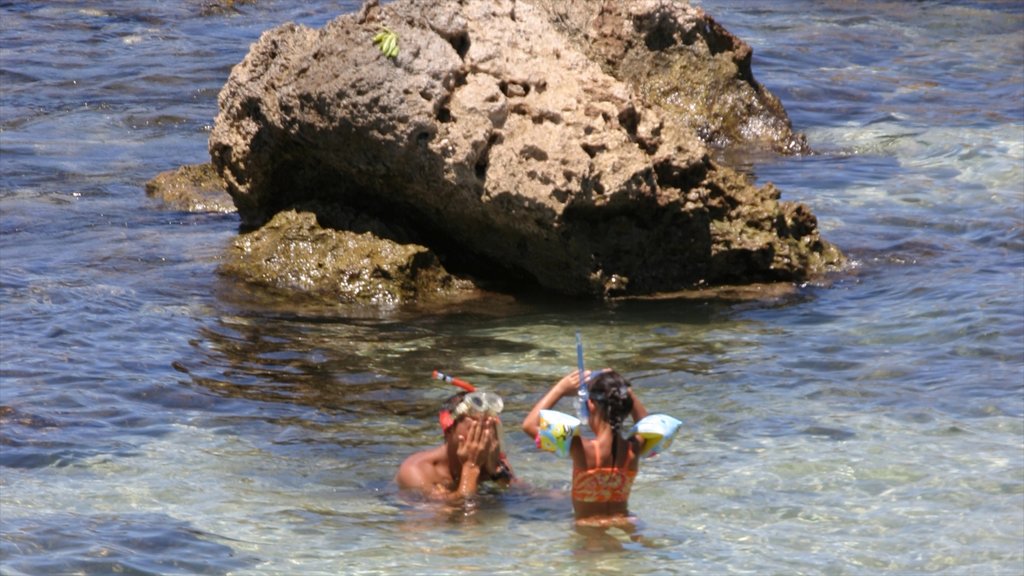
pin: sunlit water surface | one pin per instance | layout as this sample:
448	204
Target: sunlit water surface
156	419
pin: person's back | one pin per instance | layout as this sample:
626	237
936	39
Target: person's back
601	482
603	467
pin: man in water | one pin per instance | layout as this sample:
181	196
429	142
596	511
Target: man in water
471	452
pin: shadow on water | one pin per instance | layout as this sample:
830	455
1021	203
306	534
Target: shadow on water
114	544
33	440
346	359
520	513
365	361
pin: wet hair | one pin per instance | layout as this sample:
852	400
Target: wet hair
453	401
447	413
610	393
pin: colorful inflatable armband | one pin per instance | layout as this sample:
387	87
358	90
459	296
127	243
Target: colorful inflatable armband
556	431
658	431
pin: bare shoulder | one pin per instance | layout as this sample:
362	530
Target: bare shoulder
578	450
420	470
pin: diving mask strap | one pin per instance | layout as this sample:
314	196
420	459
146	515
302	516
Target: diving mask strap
446	419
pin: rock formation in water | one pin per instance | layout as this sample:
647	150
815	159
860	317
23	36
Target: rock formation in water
191	188
519	144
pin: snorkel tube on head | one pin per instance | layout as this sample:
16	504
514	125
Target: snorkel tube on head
471	402
438	375
581	394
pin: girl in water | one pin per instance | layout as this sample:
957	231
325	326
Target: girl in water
603	468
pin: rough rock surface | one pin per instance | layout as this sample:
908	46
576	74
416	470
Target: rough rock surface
191	188
298	255
678	58
505	149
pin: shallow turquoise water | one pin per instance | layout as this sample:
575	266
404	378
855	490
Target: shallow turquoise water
157	419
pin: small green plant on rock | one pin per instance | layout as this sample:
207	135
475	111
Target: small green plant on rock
387	41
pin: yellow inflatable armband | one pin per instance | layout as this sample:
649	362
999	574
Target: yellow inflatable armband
658	432
556	431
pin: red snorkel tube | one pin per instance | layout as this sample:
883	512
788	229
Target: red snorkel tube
454	381
445	417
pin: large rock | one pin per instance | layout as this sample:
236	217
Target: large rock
494	141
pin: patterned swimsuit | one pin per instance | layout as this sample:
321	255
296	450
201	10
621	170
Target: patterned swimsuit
602	484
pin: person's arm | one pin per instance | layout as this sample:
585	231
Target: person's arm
474	451
468	481
567	386
639	412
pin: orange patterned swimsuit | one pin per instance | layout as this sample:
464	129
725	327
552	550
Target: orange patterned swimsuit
602	484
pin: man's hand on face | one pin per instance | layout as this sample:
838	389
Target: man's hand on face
493	449
478	443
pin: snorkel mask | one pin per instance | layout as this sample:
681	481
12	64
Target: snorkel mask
479	404
474	403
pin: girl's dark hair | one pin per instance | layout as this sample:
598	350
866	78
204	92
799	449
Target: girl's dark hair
610	393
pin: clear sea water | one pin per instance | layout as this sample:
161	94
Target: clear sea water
158	419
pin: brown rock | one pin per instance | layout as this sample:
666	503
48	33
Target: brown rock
298	255
496	142
191	188
678	58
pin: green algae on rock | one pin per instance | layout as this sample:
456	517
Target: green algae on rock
294	254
